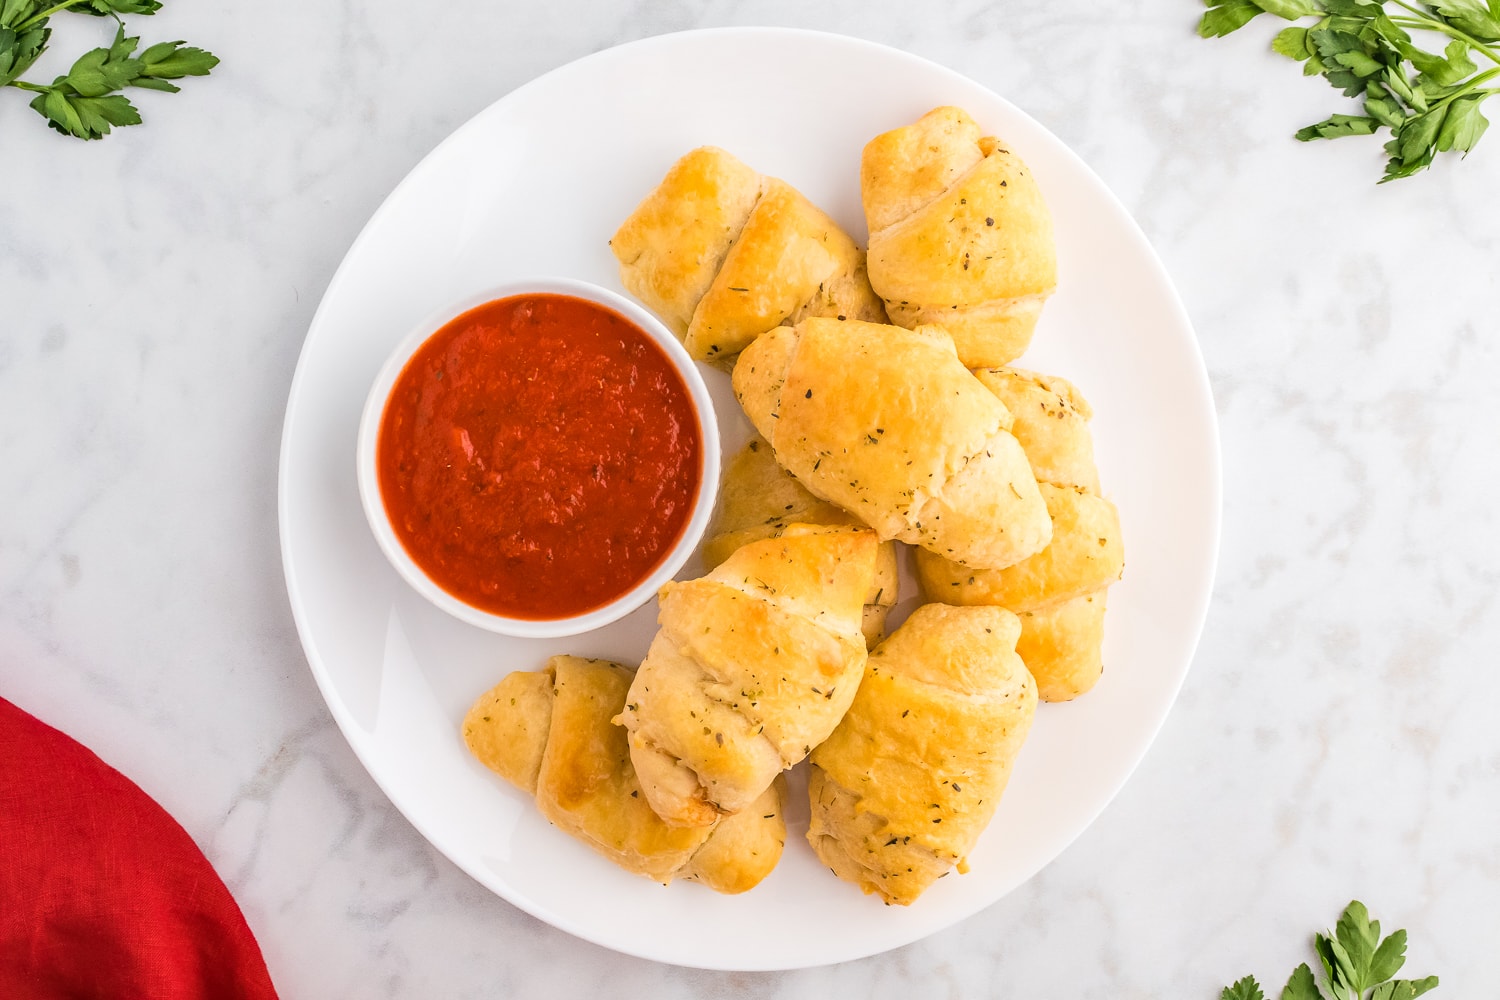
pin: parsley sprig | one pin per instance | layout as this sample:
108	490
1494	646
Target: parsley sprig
88	100
1357	965
1429	101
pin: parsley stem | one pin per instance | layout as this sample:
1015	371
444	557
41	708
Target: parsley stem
55	9
23	85
1469	86
1423	21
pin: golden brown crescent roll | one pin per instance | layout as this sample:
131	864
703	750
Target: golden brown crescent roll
959	235
758	499
1059	593
1051	423
910	778
550	733
1086	553
888	424
753	666
1063	645
723	254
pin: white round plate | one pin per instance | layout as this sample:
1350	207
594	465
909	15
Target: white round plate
535	185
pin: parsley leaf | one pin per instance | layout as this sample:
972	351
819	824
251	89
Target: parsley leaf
111	8
84	117
103	71
172	61
1474	17
1357	965
1245	989
1427	100
18	50
1301	986
86	102
14	13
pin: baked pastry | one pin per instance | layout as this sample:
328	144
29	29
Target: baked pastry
1051	421
888	424
758	499
1086	554
723	254
549	733
910	778
960	235
753	666
1059	593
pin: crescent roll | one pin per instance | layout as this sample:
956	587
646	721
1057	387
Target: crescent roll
549	732
723	254
911	777
960	235
889	425
752	667
1051	423
1059	593
758	499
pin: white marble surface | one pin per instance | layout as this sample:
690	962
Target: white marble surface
1335	738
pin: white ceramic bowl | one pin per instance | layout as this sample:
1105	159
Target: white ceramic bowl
385	535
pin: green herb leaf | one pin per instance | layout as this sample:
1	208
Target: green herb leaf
1403	989
174	60
1245	989
1380	106
1357	935
1473	17
84	117
1224	16
1445	70
1462	127
1389	957
18	50
1301	986
104	71
1292	43
1337	126
13	12
1418	135
113	8
1291	10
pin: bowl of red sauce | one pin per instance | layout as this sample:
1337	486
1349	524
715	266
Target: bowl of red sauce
538	459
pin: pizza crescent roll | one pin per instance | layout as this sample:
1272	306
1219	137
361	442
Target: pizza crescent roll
1059	593
911	777
889	425
723	253
1051	423
752	667
758	499
550	733
960	235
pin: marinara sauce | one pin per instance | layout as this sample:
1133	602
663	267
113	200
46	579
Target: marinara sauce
539	456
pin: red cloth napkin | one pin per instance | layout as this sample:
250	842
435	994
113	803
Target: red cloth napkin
102	894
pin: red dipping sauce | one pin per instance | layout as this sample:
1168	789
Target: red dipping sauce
539	456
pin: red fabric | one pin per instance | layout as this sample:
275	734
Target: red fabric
102	894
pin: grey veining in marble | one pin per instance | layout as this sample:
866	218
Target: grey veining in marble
1335	739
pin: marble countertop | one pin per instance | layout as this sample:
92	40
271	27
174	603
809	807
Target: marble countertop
1335	738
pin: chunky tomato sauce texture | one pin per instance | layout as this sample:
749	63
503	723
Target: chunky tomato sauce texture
539	456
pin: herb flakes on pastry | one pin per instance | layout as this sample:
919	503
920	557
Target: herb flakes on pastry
550	733
889	425
752	667
902	790
723	253
960	235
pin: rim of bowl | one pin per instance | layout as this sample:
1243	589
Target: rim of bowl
526	628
